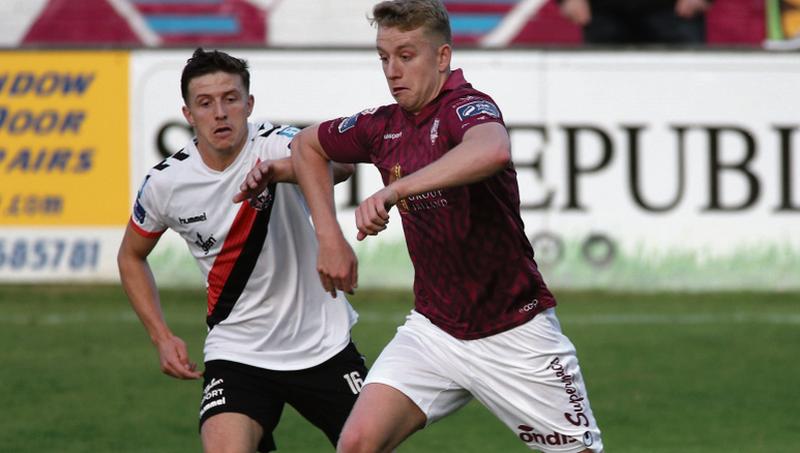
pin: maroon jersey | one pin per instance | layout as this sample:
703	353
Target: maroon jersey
474	273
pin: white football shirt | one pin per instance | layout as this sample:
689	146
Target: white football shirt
266	305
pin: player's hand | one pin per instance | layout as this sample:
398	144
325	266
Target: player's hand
372	215
690	8
577	11
337	266
256	182
174	359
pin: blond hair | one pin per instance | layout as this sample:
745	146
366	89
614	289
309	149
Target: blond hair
407	15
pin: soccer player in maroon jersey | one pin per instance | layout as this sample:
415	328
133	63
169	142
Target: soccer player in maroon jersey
483	324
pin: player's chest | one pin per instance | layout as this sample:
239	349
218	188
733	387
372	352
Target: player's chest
203	220
202	211
404	148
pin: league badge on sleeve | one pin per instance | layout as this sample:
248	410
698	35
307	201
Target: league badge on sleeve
348	123
139	212
475	108
289	131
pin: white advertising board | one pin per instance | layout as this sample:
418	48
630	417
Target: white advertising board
637	170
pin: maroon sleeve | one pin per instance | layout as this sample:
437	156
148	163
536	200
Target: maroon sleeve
344	139
467	111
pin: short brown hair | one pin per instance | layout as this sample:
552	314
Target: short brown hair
408	15
207	62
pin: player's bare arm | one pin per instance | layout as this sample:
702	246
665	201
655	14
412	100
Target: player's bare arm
484	151
139	284
281	170
577	11
372	215
691	8
336	262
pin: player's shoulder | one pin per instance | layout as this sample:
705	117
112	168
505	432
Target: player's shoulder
168	169
267	131
472	103
380	113
270	140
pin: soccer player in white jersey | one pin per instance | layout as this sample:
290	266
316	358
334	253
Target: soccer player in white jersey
275	336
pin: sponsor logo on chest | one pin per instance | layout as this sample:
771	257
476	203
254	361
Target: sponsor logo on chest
205	244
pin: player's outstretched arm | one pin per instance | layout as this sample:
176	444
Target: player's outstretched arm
336	263
280	170
484	150
139	284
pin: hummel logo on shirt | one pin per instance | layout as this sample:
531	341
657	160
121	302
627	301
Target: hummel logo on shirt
198	218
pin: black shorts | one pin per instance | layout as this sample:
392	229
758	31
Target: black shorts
323	394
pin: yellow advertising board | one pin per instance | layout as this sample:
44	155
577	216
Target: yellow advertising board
64	158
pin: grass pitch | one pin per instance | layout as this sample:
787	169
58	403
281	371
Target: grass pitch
665	373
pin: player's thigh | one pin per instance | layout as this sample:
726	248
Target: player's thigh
326	393
419	363
529	377
235	389
381	419
230	432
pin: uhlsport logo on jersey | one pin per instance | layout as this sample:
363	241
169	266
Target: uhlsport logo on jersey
475	108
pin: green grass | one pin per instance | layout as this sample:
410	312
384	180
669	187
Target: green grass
666	372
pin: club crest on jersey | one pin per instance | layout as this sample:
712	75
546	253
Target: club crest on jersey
262	201
434	131
396	173
475	108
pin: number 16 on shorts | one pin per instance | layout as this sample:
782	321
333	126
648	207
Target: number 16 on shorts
355	382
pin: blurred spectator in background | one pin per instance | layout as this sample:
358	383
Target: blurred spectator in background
639	21
783	24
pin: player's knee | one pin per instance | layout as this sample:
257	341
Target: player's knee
355	440
349	442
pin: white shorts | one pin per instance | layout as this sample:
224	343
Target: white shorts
527	376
